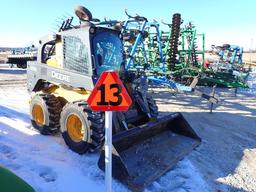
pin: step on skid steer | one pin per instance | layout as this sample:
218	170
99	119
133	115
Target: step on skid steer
67	68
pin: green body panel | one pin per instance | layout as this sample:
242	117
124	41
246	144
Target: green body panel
222	79
9	182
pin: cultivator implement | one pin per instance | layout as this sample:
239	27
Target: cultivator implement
154	52
226	71
224	79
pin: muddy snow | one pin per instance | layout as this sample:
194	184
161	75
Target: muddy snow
225	161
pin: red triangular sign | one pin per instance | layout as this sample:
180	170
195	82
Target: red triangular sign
109	94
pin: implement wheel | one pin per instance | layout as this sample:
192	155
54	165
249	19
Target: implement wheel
45	113
81	128
83	14
23	65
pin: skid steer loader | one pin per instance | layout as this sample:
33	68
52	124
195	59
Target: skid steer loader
67	68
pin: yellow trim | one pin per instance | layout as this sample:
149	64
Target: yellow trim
55	60
75	128
52	62
38	115
68	93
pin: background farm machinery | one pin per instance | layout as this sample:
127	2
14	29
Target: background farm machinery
226	69
20	56
172	59
155	53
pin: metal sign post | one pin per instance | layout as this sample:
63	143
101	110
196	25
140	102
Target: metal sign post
109	94
108	151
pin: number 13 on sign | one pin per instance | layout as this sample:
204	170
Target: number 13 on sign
109	94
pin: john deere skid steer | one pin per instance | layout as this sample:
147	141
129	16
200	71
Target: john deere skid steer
60	81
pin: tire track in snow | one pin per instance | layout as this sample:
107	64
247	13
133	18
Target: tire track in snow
14	83
47	163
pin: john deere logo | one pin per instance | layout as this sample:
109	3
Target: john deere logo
60	76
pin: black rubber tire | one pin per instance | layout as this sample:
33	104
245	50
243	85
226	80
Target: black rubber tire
83	14
51	108
152	107
23	65
226	46
93	122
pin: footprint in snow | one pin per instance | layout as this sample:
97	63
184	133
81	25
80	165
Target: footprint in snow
7	151
47	174
98	176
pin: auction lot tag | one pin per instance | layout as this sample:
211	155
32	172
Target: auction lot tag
109	94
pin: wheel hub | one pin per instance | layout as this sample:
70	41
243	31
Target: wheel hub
38	115
75	128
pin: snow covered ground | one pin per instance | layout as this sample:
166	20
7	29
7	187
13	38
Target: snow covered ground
226	157
48	165
223	162
251	81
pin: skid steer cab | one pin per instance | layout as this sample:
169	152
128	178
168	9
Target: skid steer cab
68	66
